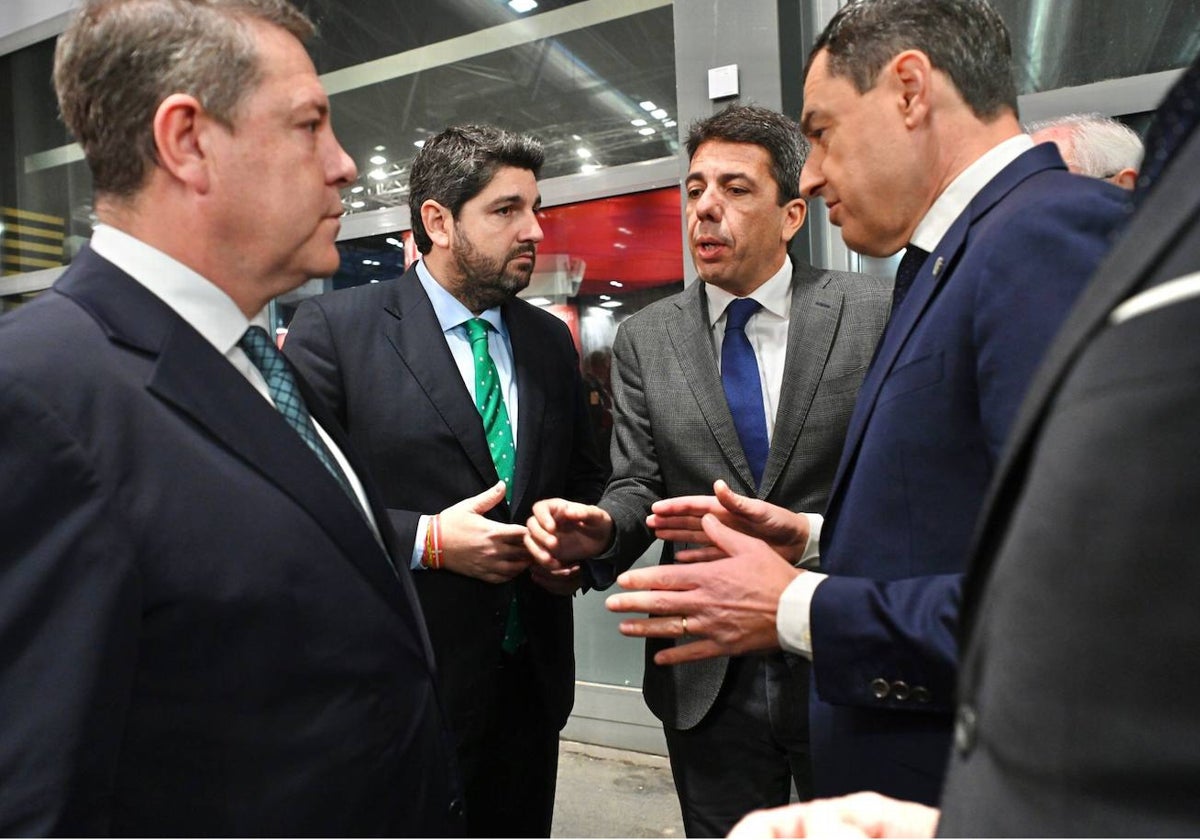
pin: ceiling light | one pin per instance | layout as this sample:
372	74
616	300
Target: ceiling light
625	231
522	6
576	137
647	105
620	245
645	132
358	205
366	262
658	113
583	153
378	160
605	297
589	168
669	123
420	144
616	284
380	148
394	242
611	304
639	122
377	175
355	190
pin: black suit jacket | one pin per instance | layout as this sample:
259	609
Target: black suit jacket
1078	712
199	633
378	357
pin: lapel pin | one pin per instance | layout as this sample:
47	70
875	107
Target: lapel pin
937	266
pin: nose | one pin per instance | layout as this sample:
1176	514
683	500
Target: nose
812	179
708	205
533	230
342	169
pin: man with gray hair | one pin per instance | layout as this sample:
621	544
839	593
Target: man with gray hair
207	626
1093	145
470	402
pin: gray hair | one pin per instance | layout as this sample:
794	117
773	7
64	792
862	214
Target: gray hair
763	127
119	59
456	165
1101	146
965	39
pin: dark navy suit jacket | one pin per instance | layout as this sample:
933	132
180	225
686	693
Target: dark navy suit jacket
199	633
927	430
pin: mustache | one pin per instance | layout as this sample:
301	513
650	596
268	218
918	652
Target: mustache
524	251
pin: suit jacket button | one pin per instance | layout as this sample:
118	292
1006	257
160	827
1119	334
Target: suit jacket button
880	688
965	724
921	694
456	807
900	690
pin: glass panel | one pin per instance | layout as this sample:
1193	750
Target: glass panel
1063	43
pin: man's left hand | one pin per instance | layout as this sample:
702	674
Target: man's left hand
729	605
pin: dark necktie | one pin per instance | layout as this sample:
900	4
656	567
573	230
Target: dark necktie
910	267
270	362
743	388
1174	122
498	432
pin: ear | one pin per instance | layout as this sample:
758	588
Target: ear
796	210
1125	179
438	221
180	126
911	74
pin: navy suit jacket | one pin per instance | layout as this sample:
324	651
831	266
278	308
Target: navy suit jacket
377	356
200	634
926	433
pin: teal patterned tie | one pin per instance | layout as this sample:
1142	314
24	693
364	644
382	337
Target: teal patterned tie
498	431
270	362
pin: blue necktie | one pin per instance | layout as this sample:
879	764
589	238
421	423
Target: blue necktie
743	388
264	355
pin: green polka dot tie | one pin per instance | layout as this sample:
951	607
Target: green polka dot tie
498	431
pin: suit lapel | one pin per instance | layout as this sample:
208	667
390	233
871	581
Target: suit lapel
413	330
812	327
936	271
689	332
530	370
191	376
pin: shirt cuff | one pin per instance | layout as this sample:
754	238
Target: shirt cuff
811	559
792	619
418	552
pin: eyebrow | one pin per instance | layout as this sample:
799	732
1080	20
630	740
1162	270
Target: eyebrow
806	120
723	178
515	198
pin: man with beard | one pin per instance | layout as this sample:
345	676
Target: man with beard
469	405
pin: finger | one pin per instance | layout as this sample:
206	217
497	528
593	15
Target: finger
699	649
483	502
684	506
659	627
696	536
727	539
539	544
657	577
655	602
546	513
731	501
507	534
699	555
658	521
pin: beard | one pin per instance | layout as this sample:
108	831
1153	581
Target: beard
486	282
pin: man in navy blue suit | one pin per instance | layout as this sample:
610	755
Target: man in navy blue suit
911	111
207	627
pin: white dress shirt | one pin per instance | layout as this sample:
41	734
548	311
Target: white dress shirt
792	619
209	311
452	316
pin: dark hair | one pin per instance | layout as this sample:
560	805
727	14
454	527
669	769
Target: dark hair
763	127
456	165
965	39
119	59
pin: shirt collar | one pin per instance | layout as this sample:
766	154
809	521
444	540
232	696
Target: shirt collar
775	295
450	311
955	198
210	311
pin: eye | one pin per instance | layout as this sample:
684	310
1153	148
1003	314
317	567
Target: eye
738	191
504	211
694	192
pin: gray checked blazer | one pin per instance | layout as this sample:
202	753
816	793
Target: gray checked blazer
674	435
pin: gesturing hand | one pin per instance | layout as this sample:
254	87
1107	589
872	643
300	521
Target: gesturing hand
478	547
678	520
562	532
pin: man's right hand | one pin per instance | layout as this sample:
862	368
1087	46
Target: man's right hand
482	548
561	533
679	519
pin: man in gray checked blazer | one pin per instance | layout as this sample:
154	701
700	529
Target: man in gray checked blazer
690	408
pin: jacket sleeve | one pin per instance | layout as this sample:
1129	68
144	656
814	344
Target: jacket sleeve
69	626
